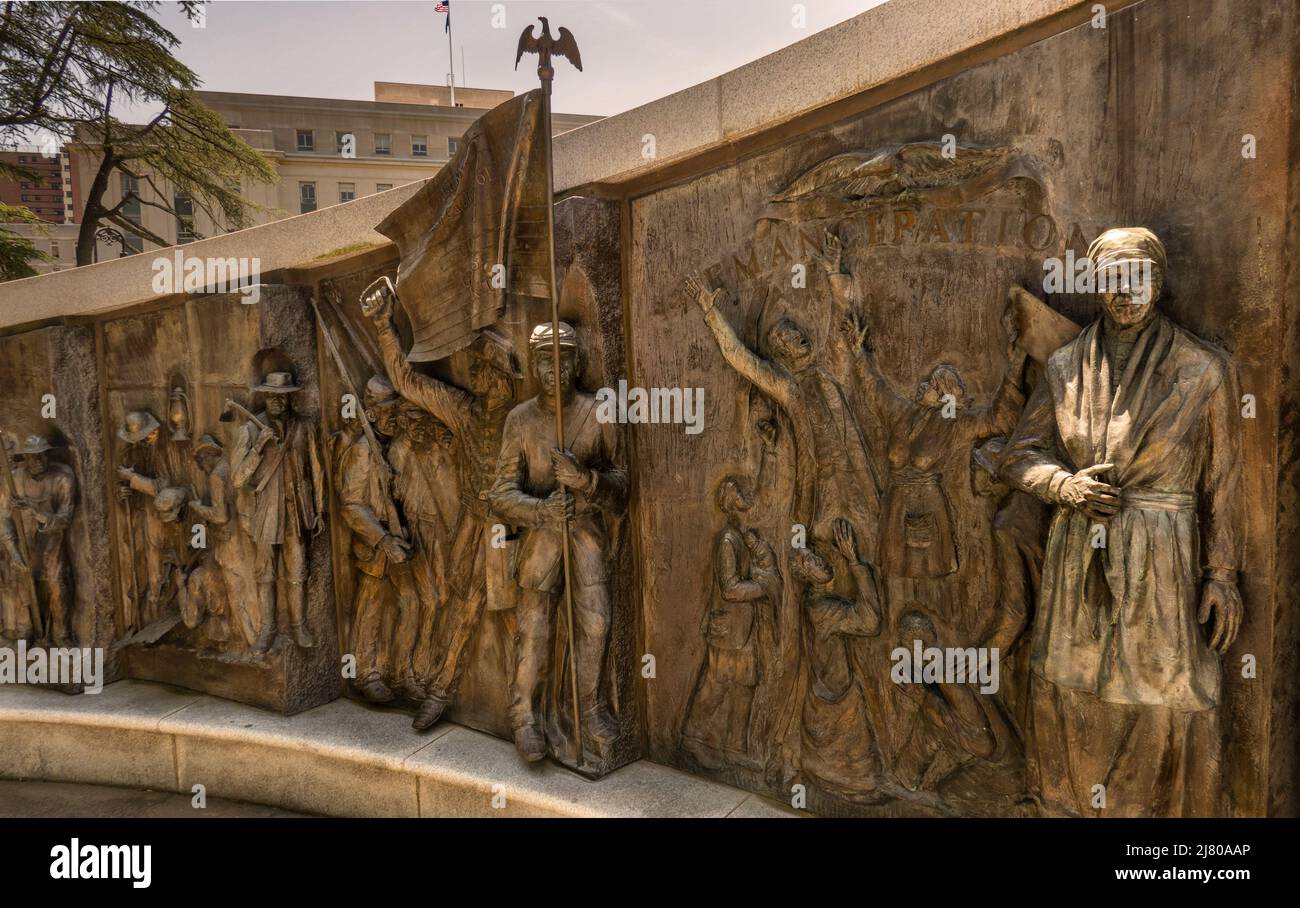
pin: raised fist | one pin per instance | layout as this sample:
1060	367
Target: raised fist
377	300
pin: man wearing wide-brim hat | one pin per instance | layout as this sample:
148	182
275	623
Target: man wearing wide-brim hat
45	497
277	470
1133	435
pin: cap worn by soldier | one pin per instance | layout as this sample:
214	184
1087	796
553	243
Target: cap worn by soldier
278	383
543	336
139	424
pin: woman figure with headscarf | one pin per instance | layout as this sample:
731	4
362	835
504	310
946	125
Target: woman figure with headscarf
1125	682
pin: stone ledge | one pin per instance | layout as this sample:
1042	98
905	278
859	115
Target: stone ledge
280	245
340	759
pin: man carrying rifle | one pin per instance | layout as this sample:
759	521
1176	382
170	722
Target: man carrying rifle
276	466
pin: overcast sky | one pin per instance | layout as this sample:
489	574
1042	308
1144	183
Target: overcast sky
633	51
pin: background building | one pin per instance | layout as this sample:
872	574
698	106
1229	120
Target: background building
326	151
50	197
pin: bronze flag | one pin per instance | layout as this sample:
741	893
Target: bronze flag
476	231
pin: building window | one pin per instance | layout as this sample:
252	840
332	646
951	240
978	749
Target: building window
184	206
453	145
347	192
306	140
419	146
54	250
383	143
383	187
306	197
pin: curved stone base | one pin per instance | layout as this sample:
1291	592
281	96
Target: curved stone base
340	759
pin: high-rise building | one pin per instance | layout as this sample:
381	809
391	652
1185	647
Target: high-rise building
50	195
48	192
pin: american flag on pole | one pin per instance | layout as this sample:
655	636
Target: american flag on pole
444	6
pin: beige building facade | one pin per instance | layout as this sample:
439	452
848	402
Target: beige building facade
326	152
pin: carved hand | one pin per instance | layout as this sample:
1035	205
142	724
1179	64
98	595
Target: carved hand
15	557
568	471
124	492
846	541
263	437
762	555
1222	599
697	290
558	507
855	329
768	432
395	550
1097	499
377	301
832	252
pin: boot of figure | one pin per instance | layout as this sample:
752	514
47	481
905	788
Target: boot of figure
298	615
266	617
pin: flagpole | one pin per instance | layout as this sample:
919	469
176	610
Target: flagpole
546	73
451	56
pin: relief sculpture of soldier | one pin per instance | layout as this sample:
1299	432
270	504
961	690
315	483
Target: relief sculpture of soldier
1132	430
34	519
426	484
475	417
538	487
385	587
276	468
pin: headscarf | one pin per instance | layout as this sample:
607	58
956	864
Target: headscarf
1127	244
